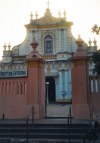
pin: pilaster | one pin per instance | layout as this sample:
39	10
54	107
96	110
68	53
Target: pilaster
80	94
36	82
60	83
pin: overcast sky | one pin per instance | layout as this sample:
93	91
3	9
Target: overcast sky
14	14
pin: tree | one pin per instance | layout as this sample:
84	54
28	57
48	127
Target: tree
96	61
96	55
96	29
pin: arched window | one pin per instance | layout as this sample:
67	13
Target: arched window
48	44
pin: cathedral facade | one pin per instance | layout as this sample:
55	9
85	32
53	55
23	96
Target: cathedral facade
56	45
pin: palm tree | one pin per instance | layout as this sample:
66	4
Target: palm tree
96	55
96	29
96	61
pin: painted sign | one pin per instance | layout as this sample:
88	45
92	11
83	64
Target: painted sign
14	73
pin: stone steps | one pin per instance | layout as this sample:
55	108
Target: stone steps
43	133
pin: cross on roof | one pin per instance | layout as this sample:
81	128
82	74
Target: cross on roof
48	4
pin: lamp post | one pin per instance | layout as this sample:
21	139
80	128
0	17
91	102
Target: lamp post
47	85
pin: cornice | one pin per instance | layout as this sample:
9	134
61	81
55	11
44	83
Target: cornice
48	25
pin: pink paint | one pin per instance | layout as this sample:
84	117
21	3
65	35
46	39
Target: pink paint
18	96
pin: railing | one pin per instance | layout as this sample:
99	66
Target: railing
51	56
70	116
69	122
92	134
27	123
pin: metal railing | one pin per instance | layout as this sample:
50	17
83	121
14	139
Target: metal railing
91	135
70	116
27	123
69	119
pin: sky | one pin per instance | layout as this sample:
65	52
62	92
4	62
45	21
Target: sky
14	14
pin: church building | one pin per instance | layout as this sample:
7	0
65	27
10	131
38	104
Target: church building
56	45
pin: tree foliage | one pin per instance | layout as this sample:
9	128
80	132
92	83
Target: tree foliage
96	55
96	29
96	61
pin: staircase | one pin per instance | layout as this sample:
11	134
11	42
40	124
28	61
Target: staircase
48	132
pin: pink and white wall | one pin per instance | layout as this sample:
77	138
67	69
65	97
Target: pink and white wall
85	88
19	96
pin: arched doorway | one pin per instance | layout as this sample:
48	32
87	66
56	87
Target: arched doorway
53	109
50	90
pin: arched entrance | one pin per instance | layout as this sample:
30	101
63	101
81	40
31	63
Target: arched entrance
53	109
50	90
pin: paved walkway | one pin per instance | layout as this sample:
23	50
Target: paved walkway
58	110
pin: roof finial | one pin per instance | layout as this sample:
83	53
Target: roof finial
4	46
79	42
36	15
64	14
95	42
59	13
9	46
89	42
34	44
31	16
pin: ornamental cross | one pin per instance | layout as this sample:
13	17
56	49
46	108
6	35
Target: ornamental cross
48	4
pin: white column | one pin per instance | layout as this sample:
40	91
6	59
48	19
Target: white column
37	35
66	83
60	44
57	88
70	84
57	41
62	40
65	41
47	98
60	84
